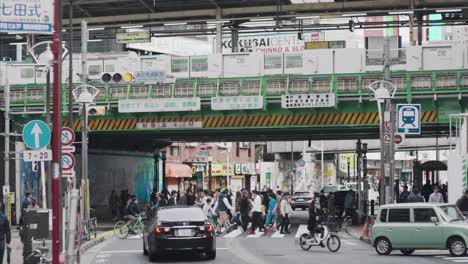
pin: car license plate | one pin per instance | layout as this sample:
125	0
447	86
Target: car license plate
184	232
300	200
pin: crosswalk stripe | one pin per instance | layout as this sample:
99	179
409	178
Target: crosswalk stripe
277	234
233	233
257	234
134	237
301	230
460	261
456	258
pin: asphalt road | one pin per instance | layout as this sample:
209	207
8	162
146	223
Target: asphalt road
237	247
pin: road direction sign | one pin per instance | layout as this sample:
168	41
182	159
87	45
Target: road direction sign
37	155
68	162
68	136
36	134
409	119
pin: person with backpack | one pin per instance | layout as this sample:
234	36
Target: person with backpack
404	195
223	207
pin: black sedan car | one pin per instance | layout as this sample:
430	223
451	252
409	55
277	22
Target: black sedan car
174	229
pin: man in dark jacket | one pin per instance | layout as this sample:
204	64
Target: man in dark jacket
415	197
462	203
244	210
5	235
404	195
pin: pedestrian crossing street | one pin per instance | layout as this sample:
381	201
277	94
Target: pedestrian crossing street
296	231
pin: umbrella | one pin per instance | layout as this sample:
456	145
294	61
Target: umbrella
8	255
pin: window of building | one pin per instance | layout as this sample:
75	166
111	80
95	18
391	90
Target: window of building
273	62
383	216
109	68
27	73
94	69
293	61
399	215
179	65
200	64
423	215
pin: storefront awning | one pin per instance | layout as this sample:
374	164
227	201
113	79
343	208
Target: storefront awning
176	170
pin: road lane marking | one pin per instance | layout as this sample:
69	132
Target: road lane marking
233	233
277	234
460	261
120	251
301	230
257	234
456	258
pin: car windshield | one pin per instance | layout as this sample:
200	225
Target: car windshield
181	214
451	213
301	194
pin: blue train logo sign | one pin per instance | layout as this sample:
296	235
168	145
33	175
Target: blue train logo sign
36	134
409	119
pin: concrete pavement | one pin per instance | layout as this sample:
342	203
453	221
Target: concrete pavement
263	249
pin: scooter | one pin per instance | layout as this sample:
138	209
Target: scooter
332	241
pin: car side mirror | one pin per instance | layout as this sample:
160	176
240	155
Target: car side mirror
434	220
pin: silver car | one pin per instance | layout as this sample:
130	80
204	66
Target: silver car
301	200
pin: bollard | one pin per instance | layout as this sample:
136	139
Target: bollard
372	207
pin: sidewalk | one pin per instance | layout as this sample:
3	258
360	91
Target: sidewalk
104	231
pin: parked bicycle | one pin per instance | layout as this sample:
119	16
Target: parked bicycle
328	236
41	255
123	228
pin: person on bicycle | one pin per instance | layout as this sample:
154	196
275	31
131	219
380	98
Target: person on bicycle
314	214
462	203
133	212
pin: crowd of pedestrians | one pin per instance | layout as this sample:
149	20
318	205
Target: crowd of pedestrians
261	211
430	193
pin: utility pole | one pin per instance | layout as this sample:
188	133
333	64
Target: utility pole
387	134
56	135
7	144
84	115
291	180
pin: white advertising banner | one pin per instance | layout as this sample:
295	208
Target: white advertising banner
236	102
27	16
159	105
270	42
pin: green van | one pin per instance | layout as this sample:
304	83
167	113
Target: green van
411	226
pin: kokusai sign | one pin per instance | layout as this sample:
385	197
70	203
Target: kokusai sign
159	105
236	102
27	16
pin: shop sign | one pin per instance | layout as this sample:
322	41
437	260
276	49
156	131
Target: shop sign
238	169
220	169
27	16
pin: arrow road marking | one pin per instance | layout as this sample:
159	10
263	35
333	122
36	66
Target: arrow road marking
36	131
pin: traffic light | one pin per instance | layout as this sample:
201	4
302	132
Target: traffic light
116	77
96	110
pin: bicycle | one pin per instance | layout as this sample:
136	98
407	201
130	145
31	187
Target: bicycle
329	236
122	228
41	253
90	229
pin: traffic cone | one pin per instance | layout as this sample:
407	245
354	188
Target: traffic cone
366	231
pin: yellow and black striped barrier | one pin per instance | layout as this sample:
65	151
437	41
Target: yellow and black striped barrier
279	120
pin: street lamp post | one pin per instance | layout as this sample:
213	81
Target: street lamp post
228	170
358	176
366	181
163	172
209	176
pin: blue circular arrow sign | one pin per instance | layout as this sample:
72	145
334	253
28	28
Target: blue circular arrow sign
36	134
